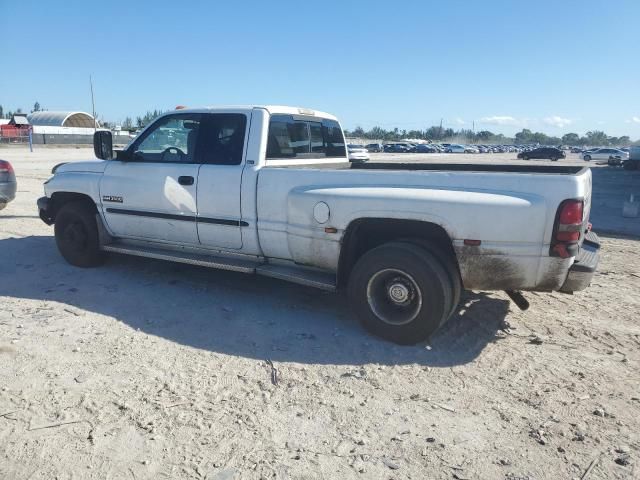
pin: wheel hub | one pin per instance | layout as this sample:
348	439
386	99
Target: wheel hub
75	235
394	296
398	293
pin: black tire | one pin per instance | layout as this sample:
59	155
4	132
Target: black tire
450	267
77	235
421	285
525	157
554	159
587	158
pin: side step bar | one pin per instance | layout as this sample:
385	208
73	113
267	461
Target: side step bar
221	263
303	275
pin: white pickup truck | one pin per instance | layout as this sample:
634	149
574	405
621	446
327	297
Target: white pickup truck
269	190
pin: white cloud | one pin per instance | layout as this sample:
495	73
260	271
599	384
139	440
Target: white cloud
635	119
502	120
556	121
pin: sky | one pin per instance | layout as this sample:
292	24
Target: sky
552	66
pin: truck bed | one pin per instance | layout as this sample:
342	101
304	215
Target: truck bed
444	167
472	167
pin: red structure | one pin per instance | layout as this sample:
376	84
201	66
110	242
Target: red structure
17	129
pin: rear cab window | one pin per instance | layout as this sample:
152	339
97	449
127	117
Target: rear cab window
300	137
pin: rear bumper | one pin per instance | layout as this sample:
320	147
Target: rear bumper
584	267
45	210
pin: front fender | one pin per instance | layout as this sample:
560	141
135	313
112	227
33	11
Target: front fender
85	183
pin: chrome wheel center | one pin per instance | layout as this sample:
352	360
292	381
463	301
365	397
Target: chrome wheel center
398	293
394	296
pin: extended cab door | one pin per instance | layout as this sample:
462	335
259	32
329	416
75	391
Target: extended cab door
149	192
221	154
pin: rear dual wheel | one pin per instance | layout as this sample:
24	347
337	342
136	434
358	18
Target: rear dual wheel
402	292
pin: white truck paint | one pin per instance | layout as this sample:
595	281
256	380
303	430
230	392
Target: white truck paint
297	212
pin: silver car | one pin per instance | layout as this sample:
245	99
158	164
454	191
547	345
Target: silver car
605	154
8	183
358	153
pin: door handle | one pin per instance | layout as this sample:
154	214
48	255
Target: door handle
186	180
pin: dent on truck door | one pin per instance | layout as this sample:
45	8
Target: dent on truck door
220	151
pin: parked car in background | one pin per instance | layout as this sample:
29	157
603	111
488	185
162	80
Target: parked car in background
8	184
453	148
396	148
550	153
425	148
576	150
604	154
471	149
375	148
358	153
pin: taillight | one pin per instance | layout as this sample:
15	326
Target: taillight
5	167
571	212
567	229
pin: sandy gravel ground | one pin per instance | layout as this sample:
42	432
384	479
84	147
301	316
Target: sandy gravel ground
149	370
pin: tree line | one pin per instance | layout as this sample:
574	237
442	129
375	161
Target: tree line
525	136
435	133
8	114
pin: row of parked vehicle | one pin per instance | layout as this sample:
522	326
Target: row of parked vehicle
406	147
613	156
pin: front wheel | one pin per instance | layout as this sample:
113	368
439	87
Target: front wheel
76	234
401	292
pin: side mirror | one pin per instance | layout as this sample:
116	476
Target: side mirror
103	144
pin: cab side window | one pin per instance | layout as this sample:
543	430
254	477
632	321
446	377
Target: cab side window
172	139
222	137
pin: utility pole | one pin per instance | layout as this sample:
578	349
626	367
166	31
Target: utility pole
93	106
441	129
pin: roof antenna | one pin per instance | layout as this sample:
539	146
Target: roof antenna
93	105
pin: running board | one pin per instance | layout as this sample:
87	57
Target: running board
210	261
302	275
